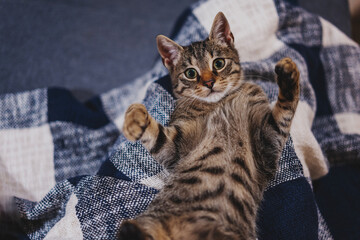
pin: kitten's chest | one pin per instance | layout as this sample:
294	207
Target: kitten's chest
223	124
226	121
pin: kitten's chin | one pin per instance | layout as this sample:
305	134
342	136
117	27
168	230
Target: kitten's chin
215	96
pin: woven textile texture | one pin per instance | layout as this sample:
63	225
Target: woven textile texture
71	174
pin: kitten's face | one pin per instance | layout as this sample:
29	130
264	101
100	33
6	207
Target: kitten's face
206	70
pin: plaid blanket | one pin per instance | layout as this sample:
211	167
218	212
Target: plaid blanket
71	174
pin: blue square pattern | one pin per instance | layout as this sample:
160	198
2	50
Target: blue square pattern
343	86
23	110
103	202
339	148
288	211
79	150
38	218
64	107
297	26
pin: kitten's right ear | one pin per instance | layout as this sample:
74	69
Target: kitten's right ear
129	230
169	51
220	30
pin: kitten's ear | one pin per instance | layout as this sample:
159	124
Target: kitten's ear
220	30
129	230
169	50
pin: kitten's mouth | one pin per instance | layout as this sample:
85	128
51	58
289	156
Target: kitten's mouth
212	92
214	95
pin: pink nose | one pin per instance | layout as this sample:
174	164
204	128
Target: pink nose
209	84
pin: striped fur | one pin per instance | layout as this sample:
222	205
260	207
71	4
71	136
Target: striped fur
221	151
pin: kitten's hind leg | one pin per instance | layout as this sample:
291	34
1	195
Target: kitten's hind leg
288	79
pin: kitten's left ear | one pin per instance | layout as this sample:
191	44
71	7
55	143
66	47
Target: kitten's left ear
169	50
220	30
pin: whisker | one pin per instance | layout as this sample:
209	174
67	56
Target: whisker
252	76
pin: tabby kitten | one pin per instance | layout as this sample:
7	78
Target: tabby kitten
222	144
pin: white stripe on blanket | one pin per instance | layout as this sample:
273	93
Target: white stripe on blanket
306	146
332	36
157	181
247	19
348	122
69	226
27	162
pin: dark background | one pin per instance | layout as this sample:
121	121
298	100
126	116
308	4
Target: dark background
92	46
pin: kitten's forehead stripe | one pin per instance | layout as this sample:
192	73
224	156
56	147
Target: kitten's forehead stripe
204	45
198	53
184	65
189	60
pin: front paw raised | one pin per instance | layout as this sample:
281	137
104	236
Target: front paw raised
137	119
287	78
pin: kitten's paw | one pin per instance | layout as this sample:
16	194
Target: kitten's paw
287	77
137	119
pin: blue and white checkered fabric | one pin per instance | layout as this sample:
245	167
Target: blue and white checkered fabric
74	176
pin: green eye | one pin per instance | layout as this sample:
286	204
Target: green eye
191	73
219	63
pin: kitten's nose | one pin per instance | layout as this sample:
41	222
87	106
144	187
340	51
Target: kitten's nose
209	84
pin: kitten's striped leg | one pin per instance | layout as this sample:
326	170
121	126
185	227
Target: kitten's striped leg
289	93
158	140
279	120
